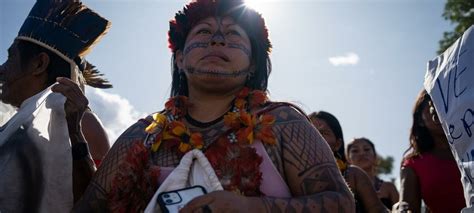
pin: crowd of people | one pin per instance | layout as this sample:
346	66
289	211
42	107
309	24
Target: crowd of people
267	156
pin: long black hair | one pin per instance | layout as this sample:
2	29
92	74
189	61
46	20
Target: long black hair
335	127
421	140
250	20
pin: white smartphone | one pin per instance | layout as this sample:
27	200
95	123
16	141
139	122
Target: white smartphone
173	201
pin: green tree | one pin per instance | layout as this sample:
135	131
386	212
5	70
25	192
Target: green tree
385	165
461	14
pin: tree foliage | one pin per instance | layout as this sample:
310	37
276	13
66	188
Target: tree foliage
385	165
461	14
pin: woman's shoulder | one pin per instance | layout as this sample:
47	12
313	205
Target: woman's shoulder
284	112
355	172
418	159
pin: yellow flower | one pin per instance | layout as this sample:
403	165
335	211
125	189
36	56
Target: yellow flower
184	147
341	165
158	122
178	128
156	145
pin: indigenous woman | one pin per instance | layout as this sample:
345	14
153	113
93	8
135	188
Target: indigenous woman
358	181
267	155
361	152
429	171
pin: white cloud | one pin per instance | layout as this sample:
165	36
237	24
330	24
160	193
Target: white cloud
348	59
115	112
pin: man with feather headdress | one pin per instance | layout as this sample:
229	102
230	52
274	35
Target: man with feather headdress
45	162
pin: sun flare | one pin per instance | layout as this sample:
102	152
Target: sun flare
257	5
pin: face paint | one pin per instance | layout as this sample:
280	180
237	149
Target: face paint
240	47
195	45
216	73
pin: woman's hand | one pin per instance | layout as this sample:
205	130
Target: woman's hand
75	105
221	201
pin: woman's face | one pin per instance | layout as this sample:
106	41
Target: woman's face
362	155
217	54
430	119
327	133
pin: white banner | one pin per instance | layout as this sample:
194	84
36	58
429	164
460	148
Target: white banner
450	82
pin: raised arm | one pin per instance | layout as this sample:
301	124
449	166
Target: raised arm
82	164
95	135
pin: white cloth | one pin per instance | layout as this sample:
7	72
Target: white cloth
35	157
6	112
450	82
190	172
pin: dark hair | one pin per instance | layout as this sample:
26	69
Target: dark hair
57	66
420	138
335	127
251	21
350	144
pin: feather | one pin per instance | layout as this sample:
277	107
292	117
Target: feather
94	78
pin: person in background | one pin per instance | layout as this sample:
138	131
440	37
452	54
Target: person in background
92	127
358	181
361	152
429	171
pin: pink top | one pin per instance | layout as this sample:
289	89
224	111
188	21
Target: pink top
272	184
440	182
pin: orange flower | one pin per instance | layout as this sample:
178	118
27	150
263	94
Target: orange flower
231	119
240	103
184	147
178	132
243	93
263	130
196	140
177	128
245	135
257	98
247	119
265	135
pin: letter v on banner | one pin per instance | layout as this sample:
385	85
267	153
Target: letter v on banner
449	81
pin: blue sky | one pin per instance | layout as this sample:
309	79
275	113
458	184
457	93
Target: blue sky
362	60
